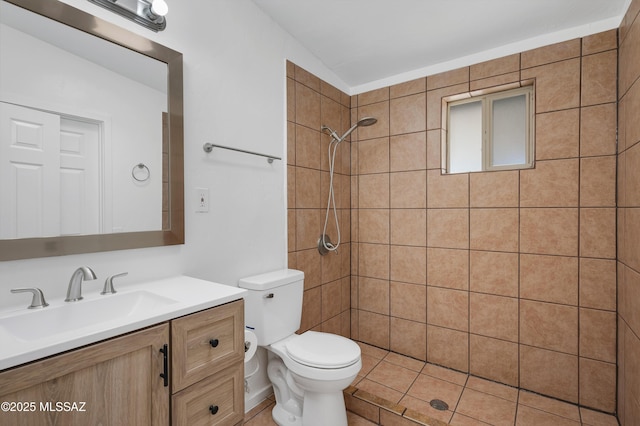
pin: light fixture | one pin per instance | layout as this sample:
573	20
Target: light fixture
148	13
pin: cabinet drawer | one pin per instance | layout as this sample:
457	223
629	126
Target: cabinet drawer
217	400
206	343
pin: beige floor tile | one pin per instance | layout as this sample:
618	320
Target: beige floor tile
447	374
405	361
595	418
380	390
368	363
356	420
372	351
263	418
460	420
258	409
492	388
549	405
427	388
392	419
393	376
362	407
528	416
487	408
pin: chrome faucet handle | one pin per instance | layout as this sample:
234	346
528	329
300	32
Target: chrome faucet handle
38	297
108	283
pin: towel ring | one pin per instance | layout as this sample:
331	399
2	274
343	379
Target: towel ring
143	172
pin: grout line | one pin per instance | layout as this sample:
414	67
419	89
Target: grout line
468	275
515	417
389	220
519	372
580	107
464	387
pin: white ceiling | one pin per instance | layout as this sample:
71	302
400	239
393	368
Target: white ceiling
367	42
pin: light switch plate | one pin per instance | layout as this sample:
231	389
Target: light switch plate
202	200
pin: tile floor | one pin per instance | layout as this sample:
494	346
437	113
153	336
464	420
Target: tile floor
395	390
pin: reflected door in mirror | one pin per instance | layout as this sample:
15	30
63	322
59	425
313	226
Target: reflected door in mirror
49	168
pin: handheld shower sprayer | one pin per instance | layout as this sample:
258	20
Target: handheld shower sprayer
324	242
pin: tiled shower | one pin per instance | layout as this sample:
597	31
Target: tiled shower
509	276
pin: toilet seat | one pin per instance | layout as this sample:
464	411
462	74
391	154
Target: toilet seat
324	373
323	350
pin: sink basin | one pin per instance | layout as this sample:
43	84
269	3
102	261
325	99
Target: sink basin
35	325
30	334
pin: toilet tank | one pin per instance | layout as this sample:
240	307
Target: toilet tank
273	304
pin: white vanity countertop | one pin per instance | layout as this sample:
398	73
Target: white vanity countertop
30	334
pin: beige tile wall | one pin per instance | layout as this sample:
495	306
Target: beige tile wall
310	104
628	220
507	275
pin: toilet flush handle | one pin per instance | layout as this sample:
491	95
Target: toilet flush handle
268	296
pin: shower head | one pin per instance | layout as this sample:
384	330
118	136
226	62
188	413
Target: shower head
366	121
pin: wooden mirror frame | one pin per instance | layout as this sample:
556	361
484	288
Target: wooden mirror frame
28	248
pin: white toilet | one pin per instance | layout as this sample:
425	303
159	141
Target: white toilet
308	371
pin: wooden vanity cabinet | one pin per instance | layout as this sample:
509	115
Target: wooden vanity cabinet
208	367
120	381
115	382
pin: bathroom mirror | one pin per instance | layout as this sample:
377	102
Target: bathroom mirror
91	135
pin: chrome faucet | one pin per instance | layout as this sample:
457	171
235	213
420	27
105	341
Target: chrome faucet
74	292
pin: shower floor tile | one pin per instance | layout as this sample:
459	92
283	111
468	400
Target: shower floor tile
396	390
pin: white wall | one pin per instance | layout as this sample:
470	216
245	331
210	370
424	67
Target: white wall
234	84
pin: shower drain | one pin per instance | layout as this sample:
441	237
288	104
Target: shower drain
439	404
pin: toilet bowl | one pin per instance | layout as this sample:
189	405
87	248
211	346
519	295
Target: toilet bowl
320	366
308	371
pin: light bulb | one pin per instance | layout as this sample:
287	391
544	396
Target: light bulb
159	7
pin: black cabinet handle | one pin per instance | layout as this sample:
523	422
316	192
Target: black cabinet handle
214	343
213	409
165	361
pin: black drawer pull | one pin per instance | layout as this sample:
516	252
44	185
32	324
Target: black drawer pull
165	365
213	409
214	343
